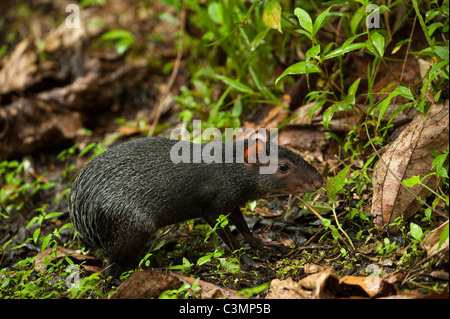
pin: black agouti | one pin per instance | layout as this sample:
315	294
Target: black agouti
125	194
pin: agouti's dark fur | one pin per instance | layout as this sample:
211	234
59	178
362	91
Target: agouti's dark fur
125	194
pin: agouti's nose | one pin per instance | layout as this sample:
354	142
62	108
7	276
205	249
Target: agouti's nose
318	182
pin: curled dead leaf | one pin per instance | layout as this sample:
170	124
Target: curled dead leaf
409	155
431	243
371	286
20	67
50	255
145	285
321	285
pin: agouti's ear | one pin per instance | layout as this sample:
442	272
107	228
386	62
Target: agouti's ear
252	151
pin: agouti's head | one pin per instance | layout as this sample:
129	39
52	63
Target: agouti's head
289	173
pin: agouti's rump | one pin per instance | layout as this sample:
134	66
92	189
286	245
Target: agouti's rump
125	194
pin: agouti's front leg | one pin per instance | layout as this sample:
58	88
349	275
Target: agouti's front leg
238	220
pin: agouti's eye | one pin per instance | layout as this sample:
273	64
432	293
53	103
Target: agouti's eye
284	167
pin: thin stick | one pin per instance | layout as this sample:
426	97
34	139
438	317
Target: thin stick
331	226
176	67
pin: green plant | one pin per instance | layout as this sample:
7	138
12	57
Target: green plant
122	40
15	189
186	291
185	267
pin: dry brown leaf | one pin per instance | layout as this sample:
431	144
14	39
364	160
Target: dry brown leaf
48	255
321	285
146	284
287	289
20	67
409	155
373	286
431	242
311	268
208	290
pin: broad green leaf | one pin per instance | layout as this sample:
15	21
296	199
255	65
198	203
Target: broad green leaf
304	19
229	266
46	241
321	207
36	235
406	92
319	20
272	15
410	182
378	44
299	68
416	232
441	52
204	259
215	12
313	52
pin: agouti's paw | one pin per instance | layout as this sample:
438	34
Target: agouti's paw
254	242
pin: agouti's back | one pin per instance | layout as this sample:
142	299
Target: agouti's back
125	194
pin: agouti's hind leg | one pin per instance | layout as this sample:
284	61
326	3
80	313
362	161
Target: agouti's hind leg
126	255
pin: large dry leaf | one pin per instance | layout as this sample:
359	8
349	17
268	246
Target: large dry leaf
431	243
146	284
20	67
409	155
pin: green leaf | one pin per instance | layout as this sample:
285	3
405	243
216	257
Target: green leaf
229	266
342	50
416	232
319	20
337	183
356	18
215	12
272	15
354	87
441	52
52	215
410	182
313	52
117	34
299	68
378	42
36	235
326	222
399	90
321	207
46	241
204	259
444	237
124	39
304	19
234	84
